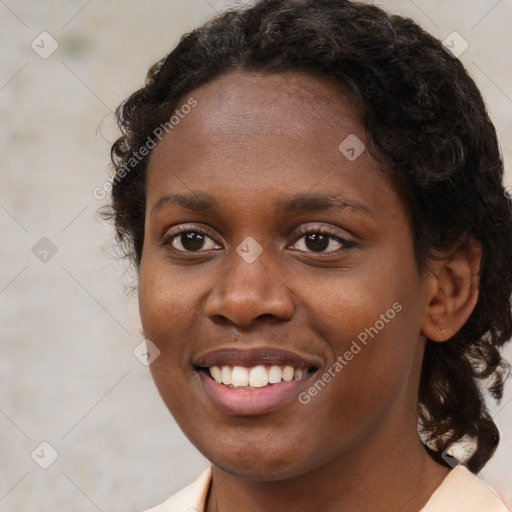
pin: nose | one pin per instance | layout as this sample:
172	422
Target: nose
247	292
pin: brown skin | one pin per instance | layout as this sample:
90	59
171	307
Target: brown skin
253	140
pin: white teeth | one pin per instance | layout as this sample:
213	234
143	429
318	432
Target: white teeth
274	374
288	373
240	376
299	372
256	376
226	374
216	373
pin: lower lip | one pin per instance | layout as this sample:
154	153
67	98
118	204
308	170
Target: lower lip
247	402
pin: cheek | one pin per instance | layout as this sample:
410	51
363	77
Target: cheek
350	303
370	318
165	300
165	305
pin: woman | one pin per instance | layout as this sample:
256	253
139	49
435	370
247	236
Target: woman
312	195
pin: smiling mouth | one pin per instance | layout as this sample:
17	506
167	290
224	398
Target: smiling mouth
255	377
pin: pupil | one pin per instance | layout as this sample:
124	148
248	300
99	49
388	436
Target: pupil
317	242
192	241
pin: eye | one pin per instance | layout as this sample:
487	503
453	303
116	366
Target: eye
319	240
197	239
190	240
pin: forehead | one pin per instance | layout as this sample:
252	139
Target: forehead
247	109
251	98
253	133
284	102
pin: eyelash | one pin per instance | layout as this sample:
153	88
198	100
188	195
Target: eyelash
346	244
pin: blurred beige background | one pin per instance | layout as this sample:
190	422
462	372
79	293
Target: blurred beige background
68	374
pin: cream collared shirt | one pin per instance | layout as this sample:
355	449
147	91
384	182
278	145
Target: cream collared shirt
460	491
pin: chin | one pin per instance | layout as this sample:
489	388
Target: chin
251	464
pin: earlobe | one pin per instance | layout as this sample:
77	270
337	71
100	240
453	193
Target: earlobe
441	331
454	291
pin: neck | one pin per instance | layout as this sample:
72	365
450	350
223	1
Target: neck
390	476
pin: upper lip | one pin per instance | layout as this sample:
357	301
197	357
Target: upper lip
254	356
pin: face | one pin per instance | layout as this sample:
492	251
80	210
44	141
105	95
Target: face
274	254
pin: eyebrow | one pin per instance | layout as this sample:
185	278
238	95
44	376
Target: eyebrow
200	202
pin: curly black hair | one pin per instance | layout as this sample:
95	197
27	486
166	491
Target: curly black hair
428	126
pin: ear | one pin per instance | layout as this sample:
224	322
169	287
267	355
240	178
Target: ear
453	291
